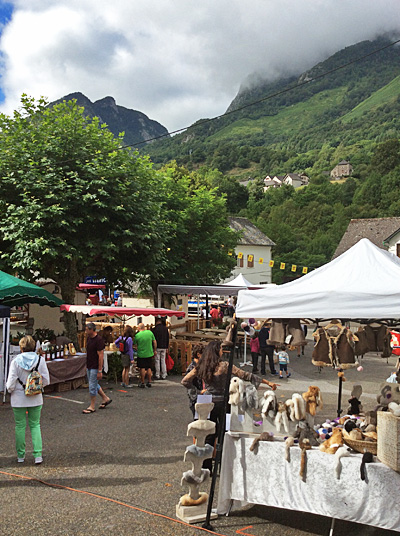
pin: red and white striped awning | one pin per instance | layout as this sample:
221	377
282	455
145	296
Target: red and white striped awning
91	310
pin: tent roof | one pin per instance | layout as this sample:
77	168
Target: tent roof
216	290
363	283
15	291
239	281
120	311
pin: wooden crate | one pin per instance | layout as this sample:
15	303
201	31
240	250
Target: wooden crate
63	387
78	382
389	439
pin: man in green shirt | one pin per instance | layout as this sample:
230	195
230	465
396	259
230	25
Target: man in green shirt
146	345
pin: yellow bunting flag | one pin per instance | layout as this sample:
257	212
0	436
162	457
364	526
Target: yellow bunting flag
305	270
230	253
271	264
294	267
283	265
240	255
260	260
250	258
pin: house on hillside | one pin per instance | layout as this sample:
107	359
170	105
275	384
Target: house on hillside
253	246
273	181
292	179
295	180
383	232
343	169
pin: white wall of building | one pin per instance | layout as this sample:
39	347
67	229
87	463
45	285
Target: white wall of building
260	273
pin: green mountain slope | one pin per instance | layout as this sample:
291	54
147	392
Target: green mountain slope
355	107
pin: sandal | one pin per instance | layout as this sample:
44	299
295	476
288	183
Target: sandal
105	404
88	411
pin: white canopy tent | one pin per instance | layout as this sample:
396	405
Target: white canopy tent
239	281
363	283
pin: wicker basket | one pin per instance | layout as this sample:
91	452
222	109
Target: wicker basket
361	446
63	387
388	439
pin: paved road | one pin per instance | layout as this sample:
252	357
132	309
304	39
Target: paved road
132	453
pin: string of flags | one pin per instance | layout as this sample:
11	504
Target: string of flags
282	265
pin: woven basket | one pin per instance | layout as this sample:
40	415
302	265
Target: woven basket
389	439
361	446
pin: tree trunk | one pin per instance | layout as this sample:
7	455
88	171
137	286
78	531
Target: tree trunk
68	287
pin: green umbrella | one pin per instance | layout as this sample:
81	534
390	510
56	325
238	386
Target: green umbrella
15	291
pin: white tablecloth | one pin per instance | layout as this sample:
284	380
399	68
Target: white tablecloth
267	478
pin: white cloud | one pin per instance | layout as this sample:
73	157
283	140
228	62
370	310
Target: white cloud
175	60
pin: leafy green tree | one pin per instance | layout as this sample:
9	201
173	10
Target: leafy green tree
72	202
198	239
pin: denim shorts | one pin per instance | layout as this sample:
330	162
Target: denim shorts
94	386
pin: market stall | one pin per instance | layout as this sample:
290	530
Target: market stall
265	477
361	284
15	292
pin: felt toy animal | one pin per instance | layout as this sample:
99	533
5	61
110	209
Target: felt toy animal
251	396
370	422
367	458
331	445
265	436
304	431
394	408
282	418
299	407
269	405
288	443
290	409
354	401
340	453
304	445
236	391
313	400
356	434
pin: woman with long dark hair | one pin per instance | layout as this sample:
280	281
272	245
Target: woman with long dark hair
212	370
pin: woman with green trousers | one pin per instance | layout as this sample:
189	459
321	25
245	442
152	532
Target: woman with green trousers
20	368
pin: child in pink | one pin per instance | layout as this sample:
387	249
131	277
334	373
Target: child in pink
255	350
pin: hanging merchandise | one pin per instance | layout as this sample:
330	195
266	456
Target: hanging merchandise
379	340
286	331
334	347
360	342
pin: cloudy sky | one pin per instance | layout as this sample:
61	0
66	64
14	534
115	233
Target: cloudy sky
175	60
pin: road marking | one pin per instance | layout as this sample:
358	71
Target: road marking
239	531
62	398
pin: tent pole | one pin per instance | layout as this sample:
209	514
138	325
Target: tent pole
221	434
339	408
207	317
6	352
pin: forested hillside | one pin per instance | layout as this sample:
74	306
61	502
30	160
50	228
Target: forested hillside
308	128
352	114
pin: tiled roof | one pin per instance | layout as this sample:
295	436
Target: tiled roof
251	235
375	229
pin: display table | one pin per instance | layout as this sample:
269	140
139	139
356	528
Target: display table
64	370
265	477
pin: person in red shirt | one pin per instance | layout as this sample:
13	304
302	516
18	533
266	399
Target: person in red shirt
214	315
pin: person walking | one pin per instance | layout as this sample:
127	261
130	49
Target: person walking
255	350
126	340
94	365
161	334
266	350
283	359
146	348
22	404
